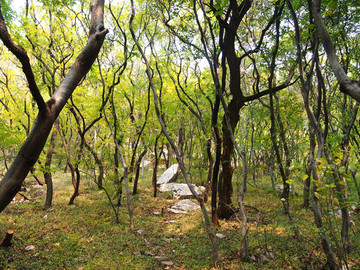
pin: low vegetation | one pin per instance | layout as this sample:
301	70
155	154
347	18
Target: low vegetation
85	235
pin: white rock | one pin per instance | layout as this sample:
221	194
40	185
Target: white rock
166	187
221	236
182	191
182	207
169	175
30	248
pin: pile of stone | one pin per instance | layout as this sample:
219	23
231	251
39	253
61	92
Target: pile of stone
180	191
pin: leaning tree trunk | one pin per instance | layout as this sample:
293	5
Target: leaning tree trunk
49	111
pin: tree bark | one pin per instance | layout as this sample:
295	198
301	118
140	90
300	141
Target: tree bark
47	173
137	171
35	141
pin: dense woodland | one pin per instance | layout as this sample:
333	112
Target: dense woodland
256	100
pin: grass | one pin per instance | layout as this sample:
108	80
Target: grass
85	235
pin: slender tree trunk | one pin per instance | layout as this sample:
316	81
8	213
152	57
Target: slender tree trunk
307	182
47	173
285	173
137	169
117	179
98	162
77	172
156	163
210	170
242	192
214	182
357	186
73	173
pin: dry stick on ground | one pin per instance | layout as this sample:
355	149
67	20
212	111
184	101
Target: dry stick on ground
26	198
174	147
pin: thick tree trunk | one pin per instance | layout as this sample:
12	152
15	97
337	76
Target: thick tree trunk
225	209
48	112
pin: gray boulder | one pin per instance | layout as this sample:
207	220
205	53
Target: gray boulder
182	191
182	207
169	175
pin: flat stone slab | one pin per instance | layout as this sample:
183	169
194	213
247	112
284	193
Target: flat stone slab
166	187
182	191
182	207
169	175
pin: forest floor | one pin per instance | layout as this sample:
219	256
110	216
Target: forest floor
86	236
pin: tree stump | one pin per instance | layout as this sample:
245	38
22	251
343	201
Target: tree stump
6	242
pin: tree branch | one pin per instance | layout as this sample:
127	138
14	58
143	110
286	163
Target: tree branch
347	86
22	56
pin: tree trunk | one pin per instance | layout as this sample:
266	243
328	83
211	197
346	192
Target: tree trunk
137	169
225	210
156	163
48	112
307	182
47	173
98	162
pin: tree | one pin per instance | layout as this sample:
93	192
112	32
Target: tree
48	111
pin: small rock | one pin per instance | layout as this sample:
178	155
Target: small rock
183	207
174	211
157	213
221	236
263	258
167	240
161	258
30	248
167	263
170	221
140	231
148	253
182	191
45	217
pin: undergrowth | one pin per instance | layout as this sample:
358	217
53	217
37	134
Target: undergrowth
85	235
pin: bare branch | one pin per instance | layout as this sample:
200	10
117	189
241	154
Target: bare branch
22	56
347	86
